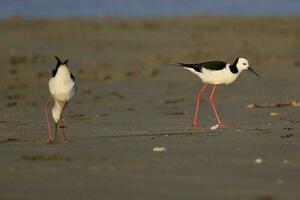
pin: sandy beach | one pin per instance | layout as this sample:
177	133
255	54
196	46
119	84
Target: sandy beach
131	100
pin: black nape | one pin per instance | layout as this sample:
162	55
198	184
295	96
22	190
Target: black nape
233	68
72	77
59	63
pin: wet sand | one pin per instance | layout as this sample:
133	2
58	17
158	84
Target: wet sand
130	100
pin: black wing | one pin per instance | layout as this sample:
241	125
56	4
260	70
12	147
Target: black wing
211	65
72	77
54	71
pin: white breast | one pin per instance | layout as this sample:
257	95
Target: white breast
216	77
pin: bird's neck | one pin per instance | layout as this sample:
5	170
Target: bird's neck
233	68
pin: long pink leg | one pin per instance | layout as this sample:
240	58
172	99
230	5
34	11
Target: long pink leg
195	122
66	140
212	103
50	138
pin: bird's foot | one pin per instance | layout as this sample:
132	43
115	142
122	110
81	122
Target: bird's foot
50	140
66	141
195	123
223	126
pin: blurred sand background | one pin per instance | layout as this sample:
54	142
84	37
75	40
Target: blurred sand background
130	100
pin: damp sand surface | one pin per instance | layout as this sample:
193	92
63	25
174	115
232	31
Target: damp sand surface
130	125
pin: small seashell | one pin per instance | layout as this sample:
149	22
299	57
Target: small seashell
252	105
159	149
285	161
215	127
258	161
295	103
275	114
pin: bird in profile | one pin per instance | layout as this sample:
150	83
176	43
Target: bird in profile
216	73
62	88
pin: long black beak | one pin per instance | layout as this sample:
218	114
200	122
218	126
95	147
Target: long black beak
251	70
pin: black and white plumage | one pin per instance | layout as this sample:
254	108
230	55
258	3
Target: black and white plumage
216	73
62	88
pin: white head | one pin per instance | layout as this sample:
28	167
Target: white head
242	64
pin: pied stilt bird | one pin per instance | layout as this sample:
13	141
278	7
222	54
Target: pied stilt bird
216	73
62	88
